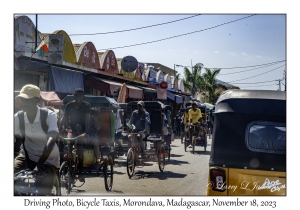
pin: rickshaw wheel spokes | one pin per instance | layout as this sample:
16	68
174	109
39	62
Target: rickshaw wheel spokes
161	158
130	163
108	172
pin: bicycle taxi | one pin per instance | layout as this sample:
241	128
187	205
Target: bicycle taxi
154	142
248	149
68	177
197	131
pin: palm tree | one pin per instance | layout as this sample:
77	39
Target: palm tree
211	86
192	79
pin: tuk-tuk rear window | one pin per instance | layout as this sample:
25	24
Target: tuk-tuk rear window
266	137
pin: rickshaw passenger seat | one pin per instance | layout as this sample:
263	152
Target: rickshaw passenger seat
156	124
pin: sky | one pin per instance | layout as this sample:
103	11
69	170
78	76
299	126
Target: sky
216	40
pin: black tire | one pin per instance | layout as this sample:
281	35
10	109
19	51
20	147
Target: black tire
130	163
65	179
108	172
161	158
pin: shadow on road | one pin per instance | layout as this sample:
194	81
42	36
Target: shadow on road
200	152
157	175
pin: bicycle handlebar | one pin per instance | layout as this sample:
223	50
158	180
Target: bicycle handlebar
68	139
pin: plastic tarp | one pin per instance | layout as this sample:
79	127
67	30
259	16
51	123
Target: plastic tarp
170	96
51	99
65	80
178	99
161	94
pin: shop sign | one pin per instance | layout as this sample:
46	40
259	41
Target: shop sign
55	46
152	74
140	72
24	35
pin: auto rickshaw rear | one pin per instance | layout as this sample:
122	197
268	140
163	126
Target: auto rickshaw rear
248	150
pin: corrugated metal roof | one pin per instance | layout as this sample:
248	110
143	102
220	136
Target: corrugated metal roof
226	84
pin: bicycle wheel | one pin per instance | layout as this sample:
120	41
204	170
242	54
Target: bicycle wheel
65	178
161	158
108	171
130	163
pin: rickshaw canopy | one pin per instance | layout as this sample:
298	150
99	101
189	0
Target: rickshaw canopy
95	101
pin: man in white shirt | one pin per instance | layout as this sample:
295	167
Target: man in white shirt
42	152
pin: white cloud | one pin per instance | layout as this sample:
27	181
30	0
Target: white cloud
258	56
243	53
216	52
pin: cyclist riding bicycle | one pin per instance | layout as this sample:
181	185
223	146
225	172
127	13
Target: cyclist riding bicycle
140	119
37	129
194	117
77	112
210	120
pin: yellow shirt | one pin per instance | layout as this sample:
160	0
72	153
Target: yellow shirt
195	116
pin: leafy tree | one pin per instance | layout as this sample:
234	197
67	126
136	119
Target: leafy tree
192	79
211	87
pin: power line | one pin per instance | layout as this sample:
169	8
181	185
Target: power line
255	82
258	86
111	32
246	66
177	35
252	69
258	74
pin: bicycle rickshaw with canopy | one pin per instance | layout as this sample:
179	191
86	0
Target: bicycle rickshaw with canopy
154	142
248	149
106	134
195	134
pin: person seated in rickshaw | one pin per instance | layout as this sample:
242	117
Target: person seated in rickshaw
118	128
92	137
77	112
194	116
184	122
141	120
210	120
166	126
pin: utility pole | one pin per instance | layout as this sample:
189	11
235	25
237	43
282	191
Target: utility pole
279	80
36	31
